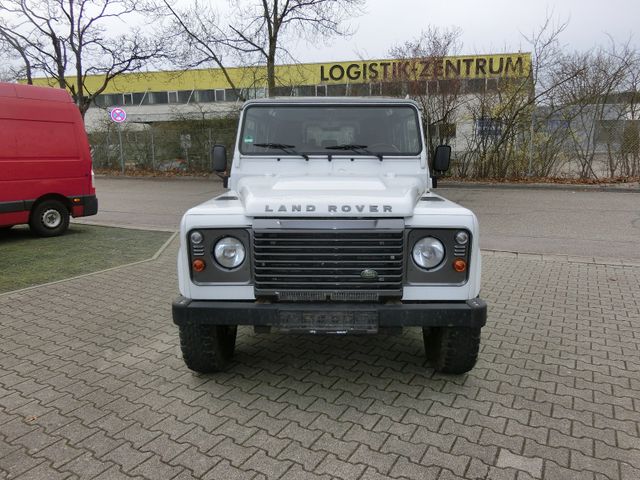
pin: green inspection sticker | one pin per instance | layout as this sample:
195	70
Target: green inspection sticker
248	139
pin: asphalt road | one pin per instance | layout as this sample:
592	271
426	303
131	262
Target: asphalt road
543	221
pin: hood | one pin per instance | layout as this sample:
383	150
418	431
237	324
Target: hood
385	196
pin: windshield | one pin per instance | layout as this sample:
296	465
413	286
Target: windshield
330	130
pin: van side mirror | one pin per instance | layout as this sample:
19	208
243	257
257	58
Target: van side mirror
441	158
219	158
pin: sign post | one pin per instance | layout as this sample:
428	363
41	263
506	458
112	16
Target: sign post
118	115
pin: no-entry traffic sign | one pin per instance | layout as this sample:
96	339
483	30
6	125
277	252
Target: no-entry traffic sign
118	115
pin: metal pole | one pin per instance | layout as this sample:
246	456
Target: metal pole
108	153
208	152
153	150
530	146
121	151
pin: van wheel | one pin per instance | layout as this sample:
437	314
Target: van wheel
207	348
453	349
49	218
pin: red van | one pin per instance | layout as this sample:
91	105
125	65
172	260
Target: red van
45	162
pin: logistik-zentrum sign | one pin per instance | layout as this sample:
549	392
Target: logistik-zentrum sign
473	66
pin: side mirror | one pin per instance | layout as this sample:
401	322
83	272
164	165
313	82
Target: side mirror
219	158
441	158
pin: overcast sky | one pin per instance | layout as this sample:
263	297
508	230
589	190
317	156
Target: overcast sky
487	25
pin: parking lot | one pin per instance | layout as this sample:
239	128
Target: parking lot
92	384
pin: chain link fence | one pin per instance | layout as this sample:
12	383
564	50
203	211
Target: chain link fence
542	148
180	147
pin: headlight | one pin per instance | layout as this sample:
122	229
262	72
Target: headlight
229	252
428	253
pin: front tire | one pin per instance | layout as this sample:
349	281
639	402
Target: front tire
49	218
207	348
452	349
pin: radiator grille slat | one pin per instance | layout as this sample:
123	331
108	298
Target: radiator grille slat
329	261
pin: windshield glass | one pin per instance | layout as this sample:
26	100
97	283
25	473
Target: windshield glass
330	130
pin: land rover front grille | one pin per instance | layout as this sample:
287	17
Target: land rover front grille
333	264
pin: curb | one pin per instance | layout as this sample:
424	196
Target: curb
167	178
617	188
555	257
149	228
155	257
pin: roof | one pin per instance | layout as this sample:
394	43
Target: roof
330	101
32	92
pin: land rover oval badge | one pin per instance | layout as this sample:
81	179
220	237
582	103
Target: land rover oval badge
368	274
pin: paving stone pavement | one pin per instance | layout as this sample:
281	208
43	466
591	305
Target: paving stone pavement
92	386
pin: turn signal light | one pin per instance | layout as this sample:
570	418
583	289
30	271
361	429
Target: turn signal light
198	265
459	265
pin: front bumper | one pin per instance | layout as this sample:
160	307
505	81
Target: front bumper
312	316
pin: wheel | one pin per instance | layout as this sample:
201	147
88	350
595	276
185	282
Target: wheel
453	349
49	218
207	348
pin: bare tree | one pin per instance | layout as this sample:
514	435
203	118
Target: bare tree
197	38
12	42
590	97
264	27
515	130
68	40
439	98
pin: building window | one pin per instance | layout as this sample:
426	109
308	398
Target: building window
230	95
375	89
220	97
172	97
475	85
205	96
359	90
449	87
127	99
321	90
283	91
184	96
305	91
488	127
442	131
157	98
337	90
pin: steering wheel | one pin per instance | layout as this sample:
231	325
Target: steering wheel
385	147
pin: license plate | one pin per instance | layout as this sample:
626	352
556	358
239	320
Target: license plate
336	322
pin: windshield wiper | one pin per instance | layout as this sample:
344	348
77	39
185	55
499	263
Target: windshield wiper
284	147
355	148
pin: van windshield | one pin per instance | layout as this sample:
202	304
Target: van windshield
351	130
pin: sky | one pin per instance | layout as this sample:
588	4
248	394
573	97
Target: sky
488	26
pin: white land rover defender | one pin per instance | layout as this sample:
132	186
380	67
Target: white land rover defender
330	225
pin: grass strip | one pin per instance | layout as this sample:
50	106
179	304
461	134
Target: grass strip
27	260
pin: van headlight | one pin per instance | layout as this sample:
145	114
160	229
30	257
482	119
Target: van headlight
428	253
229	252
